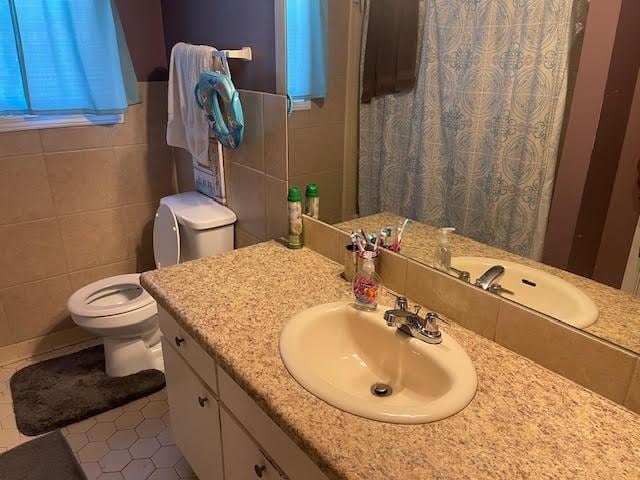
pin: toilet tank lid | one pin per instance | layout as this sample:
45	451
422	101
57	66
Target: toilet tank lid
198	211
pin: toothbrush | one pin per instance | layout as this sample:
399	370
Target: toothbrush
396	245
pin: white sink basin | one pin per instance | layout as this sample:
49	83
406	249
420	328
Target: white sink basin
536	289
338	353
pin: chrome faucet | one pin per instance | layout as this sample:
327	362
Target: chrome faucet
425	329
489	277
487	280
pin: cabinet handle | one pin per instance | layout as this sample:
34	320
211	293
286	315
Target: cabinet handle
259	469
179	341
202	401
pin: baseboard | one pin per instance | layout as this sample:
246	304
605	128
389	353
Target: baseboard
38	346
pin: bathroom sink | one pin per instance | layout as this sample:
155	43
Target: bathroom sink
536	289
352	360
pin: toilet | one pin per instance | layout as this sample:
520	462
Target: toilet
187	226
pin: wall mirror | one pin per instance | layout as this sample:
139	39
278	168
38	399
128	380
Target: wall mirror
515	122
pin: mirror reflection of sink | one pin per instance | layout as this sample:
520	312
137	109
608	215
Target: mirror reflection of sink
536	289
352	360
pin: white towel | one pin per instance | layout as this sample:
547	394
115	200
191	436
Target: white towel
187	125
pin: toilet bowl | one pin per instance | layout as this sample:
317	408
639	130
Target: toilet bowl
187	226
120	311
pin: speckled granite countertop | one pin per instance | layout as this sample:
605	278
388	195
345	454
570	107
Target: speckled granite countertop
619	319
524	422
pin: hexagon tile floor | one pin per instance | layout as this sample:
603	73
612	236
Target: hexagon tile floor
132	442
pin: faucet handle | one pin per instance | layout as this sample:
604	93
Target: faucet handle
401	302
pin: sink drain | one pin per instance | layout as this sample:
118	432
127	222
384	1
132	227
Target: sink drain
381	390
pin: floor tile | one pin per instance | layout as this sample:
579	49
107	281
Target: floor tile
92	470
128	420
138	469
101	431
155	409
132	442
150	427
144	448
164	474
115	460
93	451
166	457
122	439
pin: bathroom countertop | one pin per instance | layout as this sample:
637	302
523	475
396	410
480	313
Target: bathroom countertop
524	422
619	318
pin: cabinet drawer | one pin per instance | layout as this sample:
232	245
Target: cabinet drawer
193	353
243	459
293	461
195	416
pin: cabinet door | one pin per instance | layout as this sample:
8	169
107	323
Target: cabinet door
243	459
195	419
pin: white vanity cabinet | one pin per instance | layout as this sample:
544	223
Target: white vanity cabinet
195	416
213	419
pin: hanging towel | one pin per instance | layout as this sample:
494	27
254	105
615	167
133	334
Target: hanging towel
391	48
187	125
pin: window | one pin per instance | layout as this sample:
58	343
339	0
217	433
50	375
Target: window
306	50
63	62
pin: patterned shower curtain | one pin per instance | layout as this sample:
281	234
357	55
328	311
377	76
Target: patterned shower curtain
474	145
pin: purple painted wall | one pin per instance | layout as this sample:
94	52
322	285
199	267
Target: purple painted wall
228	24
143	27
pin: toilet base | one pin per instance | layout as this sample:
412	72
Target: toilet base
128	356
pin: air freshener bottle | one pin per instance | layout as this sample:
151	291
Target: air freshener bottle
312	195
295	217
366	284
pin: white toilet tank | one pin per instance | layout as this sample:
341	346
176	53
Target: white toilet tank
189	226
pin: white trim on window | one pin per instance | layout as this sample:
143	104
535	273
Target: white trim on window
32	122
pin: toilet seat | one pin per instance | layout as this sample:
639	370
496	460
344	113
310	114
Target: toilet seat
110	296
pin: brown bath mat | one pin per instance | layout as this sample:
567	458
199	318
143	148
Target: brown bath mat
65	390
44	458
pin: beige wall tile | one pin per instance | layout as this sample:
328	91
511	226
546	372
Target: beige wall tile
468	306
24	189
107	236
6	333
30	251
38	308
392	269
277	217
86	180
146	173
275	135
184	170
246	197
330	185
145	122
83	180
24	142
598	366
244	239
251	152
316	149
323	239
632	401
76	138
84	277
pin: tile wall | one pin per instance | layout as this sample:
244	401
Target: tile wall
602	367
77	205
256	173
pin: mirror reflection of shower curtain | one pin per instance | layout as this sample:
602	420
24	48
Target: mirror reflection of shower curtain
475	144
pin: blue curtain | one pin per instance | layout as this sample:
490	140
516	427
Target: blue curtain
63	57
307	49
